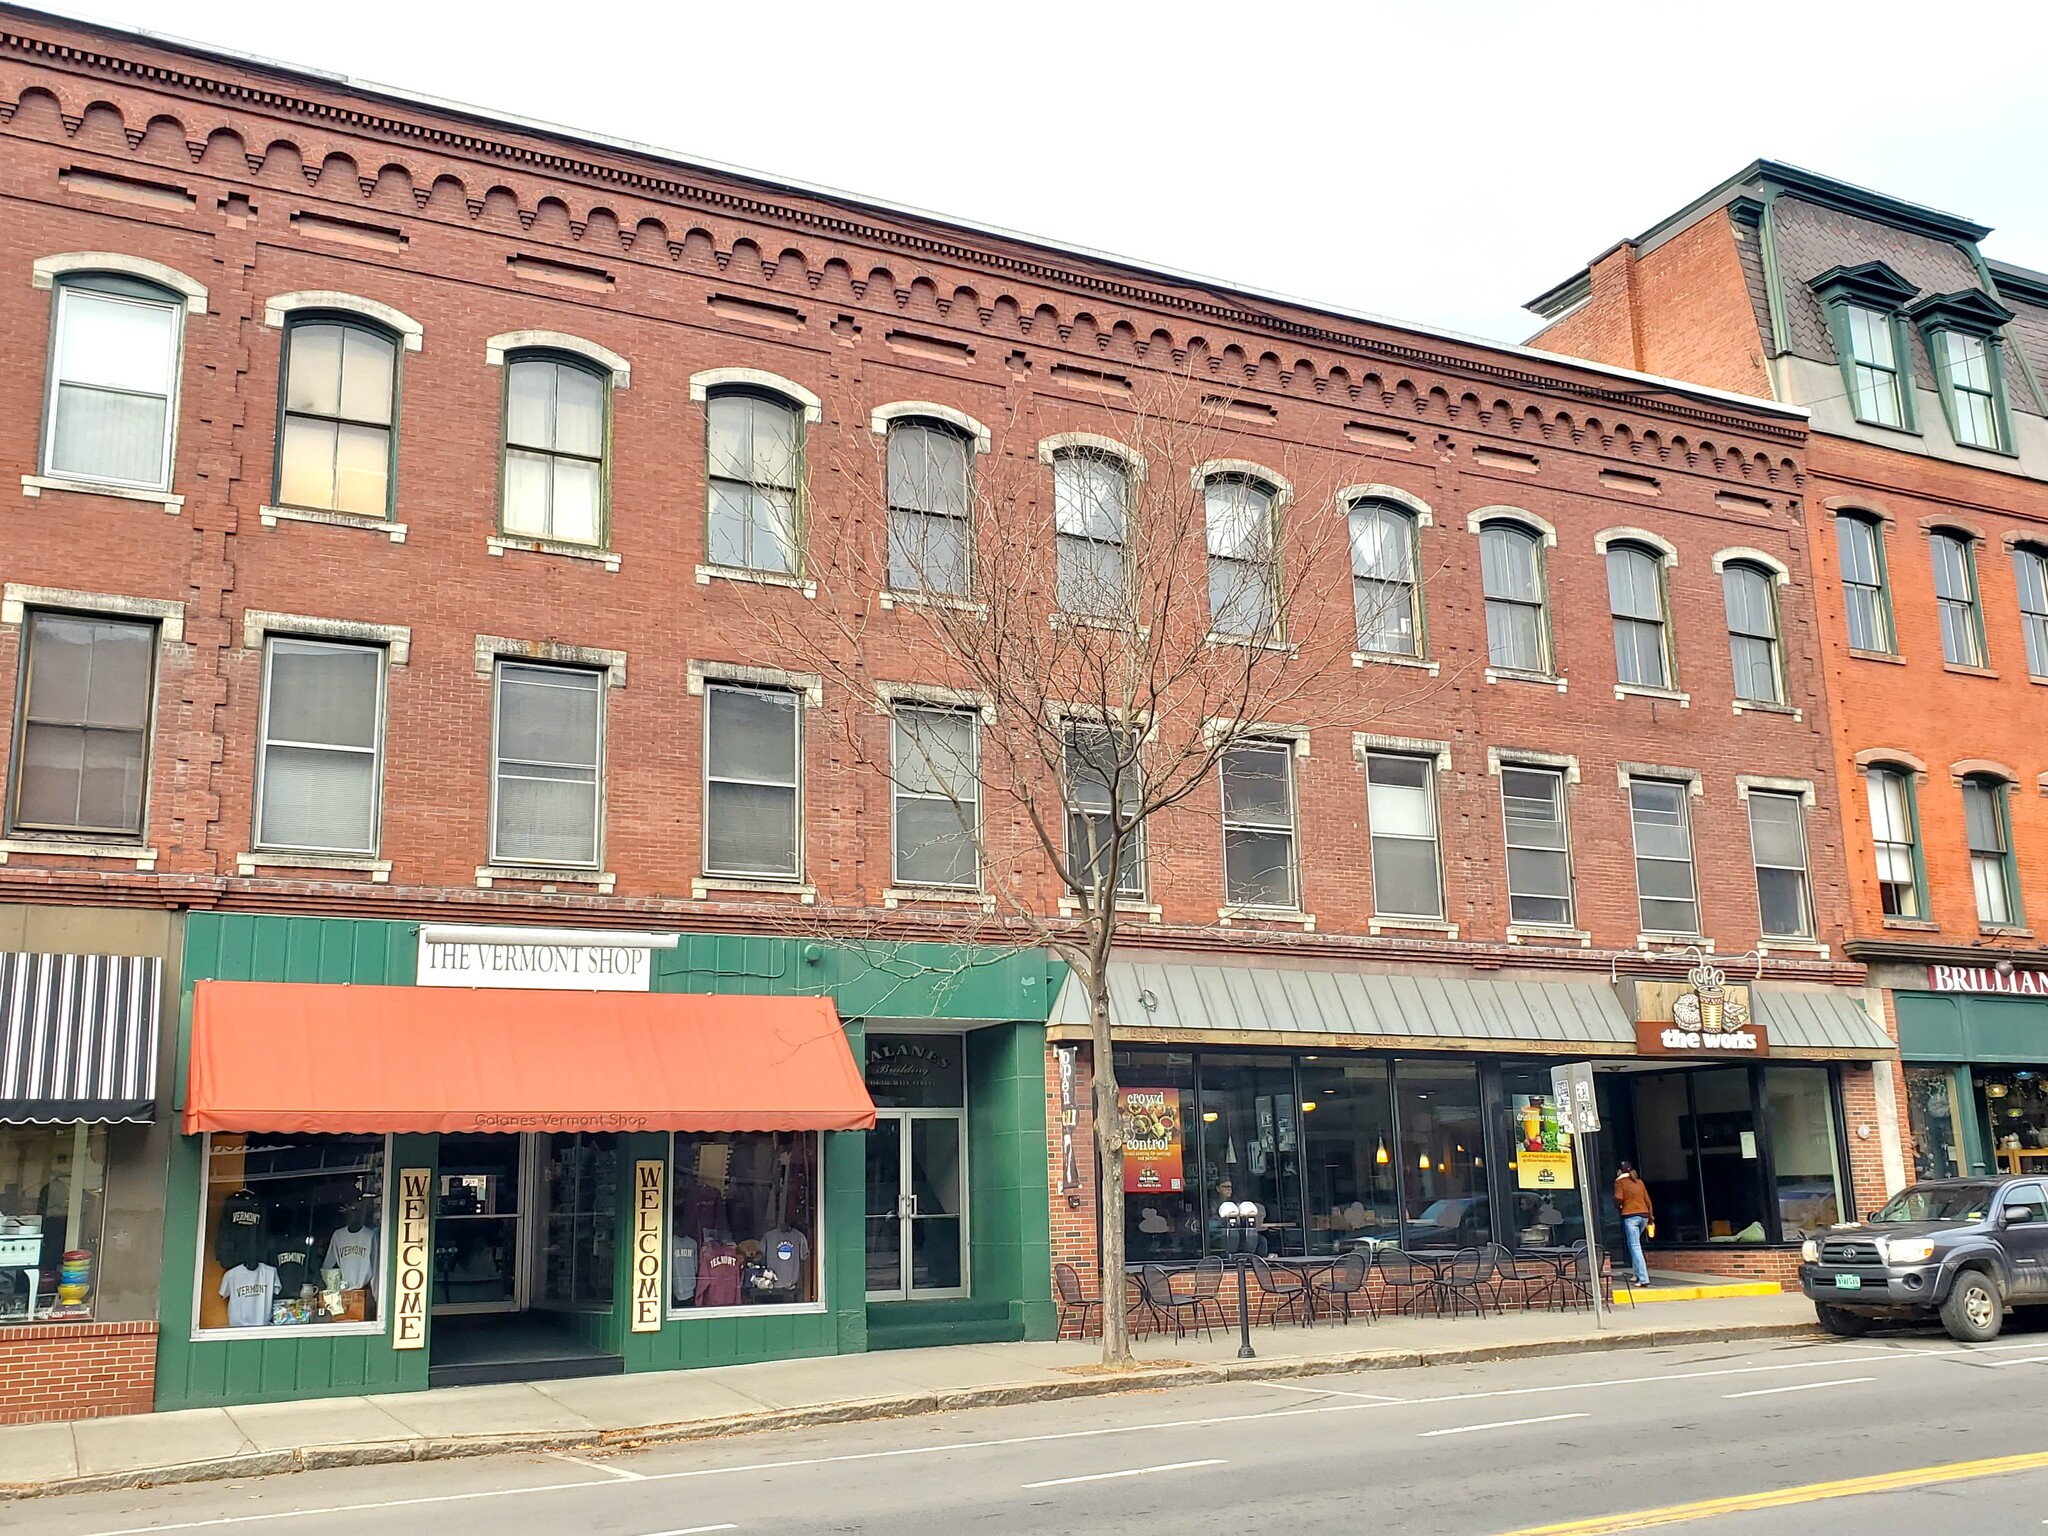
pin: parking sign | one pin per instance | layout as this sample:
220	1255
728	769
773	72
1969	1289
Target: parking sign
1578	1107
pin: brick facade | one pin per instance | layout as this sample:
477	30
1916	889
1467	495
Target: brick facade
76	1370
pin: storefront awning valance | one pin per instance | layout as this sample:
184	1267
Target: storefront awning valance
78	1037
1282	1006
304	1057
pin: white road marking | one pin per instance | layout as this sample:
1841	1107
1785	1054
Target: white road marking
1103	1477
1363	1397
1473	1429
693	1530
623	1474
1994	1365
1804	1386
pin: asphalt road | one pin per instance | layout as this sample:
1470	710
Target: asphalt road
1567	1441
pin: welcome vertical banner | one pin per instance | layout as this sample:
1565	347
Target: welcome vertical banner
647	1248
415	1251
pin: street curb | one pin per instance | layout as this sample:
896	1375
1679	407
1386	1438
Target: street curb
907	1405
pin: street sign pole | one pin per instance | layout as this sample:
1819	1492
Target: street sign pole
1591	1205
1578	1104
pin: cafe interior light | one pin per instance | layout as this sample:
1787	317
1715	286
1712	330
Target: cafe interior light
1380	1156
1423	1162
1308	1106
1208	1117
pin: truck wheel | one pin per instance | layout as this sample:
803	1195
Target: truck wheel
1843	1325
1973	1313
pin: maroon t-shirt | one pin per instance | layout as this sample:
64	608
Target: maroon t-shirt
718	1275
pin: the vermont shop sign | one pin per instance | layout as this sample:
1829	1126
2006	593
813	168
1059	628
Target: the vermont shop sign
1984	978
538	959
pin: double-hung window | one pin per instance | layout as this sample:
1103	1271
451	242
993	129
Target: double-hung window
1635	596
547	765
1895	837
555	449
1987	825
1105	788
1968	369
1538	846
1385	595
1667	898
752	782
1091	510
936	756
1955	595
1243	572
81	738
113	382
1400	809
319	769
334	447
1859	544
1511	570
756	478
2030	573
930	513
1750	595
1259	868
1877	375
1777	843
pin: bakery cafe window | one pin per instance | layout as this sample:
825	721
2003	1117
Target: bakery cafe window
51	1181
743	1221
293	1231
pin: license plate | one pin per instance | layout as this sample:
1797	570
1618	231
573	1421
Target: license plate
1848	1282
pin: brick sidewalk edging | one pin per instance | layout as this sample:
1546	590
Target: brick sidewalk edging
315	1458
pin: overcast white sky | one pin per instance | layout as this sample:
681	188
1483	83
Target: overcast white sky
1438	163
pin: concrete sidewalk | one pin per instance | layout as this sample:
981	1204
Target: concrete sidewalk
610	1412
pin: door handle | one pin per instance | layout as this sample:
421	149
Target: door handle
906	1205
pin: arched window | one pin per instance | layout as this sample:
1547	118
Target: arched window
1859	542
1635	596
1091	499
555	409
2030	574
755	479
334	441
1517	625
930	494
1895	835
1751	596
1243	568
1385	594
113	384
1955	595
1988	826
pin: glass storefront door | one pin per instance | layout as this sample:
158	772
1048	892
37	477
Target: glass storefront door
478	1236
917	1205
575	1220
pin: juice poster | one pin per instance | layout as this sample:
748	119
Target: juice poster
1543	1158
1152	1139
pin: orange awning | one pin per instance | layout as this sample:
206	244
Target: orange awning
297	1056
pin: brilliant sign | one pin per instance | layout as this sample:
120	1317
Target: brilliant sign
1985	978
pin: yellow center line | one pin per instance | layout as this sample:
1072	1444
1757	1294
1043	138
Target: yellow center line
1809	1493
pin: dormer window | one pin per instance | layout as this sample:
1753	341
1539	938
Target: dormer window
1962	331
1875	376
1863	306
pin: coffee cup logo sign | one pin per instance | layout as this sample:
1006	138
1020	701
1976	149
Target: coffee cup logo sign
1703	1016
415	1257
647	1254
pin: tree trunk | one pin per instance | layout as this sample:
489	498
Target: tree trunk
1109	1145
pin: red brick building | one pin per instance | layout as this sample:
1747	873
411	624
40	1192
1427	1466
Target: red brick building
1920	361
382	548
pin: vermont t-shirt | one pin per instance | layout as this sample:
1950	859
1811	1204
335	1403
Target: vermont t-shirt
249	1289
354	1254
786	1251
682	1268
718	1275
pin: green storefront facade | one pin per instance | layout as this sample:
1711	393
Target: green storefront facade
1974	1042
962	1033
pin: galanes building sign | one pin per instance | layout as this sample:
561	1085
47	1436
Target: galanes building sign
1984	978
538	959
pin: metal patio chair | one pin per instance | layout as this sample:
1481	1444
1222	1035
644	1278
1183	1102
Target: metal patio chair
1347	1278
1282	1295
1070	1296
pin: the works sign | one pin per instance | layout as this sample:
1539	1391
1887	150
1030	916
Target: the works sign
1985	978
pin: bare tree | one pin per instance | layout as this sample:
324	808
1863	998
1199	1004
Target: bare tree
1095	659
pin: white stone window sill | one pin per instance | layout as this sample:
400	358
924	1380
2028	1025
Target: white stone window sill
1070	906
1762	707
895	896
1228	915
1544	933
1642	691
306	1331
1794	946
1379	925
1675	941
782	1309
272	516
706	885
706	574
1216	641
2004	931
894	597
35	485
1109	622
1392	659
498	543
145	858
1516	675
604	880
379	870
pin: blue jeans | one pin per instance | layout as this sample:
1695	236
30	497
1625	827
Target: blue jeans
1632	1228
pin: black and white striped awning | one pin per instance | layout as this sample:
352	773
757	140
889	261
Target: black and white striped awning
78	1037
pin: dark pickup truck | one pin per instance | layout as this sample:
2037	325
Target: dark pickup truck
1964	1250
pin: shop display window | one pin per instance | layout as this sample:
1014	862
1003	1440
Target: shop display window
1251	1145
2013	1109
1354	1182
1163	1213
1933	1116
1547	1206
293	1231
1443	1155
1806	1162
52	1183
743	1221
